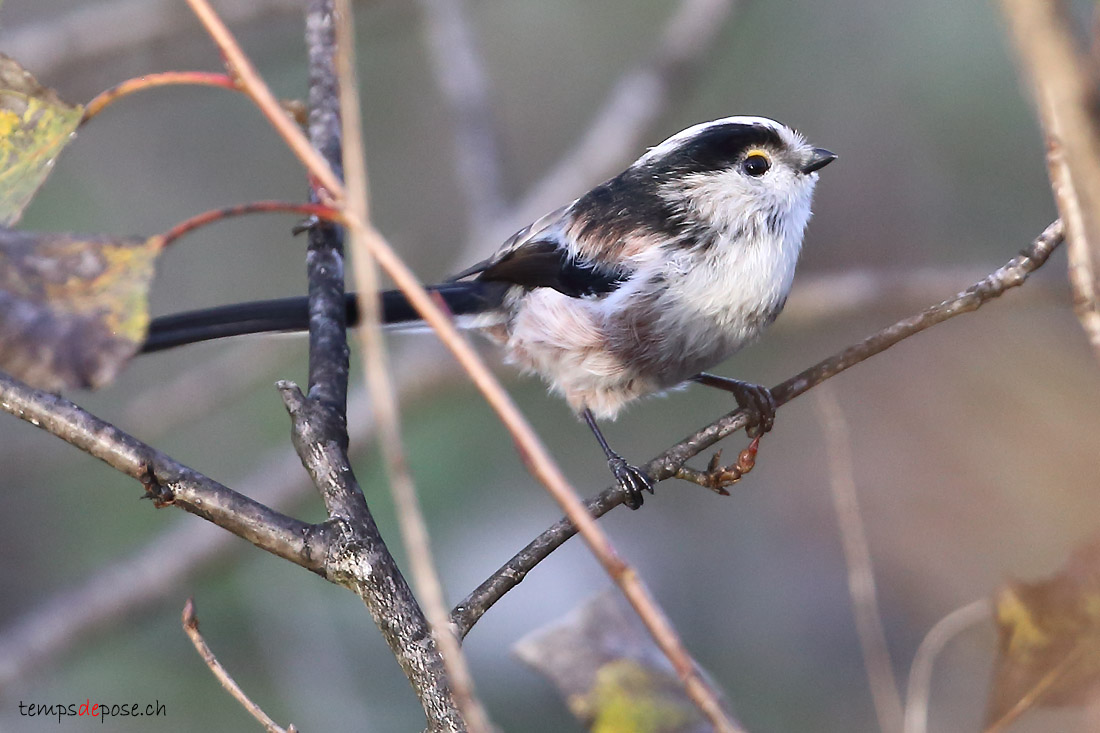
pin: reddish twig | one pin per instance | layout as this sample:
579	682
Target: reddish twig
256	207
150	81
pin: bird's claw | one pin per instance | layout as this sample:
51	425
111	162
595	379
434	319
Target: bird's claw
757	400
718	477
632	480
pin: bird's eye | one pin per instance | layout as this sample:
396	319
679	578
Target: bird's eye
755	164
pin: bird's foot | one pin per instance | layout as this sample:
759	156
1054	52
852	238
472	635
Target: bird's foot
632	480
717	477
757	400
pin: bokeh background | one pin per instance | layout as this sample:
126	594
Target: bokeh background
973	444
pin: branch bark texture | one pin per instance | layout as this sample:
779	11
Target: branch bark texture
363	563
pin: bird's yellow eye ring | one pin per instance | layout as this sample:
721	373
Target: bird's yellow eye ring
756	163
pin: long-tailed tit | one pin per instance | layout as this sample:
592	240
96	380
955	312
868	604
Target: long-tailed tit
634	288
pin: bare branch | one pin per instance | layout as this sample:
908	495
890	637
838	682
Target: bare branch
191	627
360	561
165	480
414	529
920	674
1068	102
328	345
857	555
460	73
1012	274
156	571
320	421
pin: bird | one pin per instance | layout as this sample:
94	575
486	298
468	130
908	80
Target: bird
635	288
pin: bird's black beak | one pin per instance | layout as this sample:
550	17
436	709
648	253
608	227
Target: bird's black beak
819	158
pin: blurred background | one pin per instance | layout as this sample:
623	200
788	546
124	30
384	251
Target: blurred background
970	443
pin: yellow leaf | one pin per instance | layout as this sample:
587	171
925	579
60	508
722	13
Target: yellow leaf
1049	640
35	125
72	310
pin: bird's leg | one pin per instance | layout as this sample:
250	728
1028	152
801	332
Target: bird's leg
755	399
632	479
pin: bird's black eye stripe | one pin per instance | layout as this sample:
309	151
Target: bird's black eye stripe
755	164
719	146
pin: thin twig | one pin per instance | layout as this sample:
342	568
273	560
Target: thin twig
414	529
151	81
919	689
1065	90
154	572
1050	680
460	74
666	465
857	556
1082	276
191	627
534	454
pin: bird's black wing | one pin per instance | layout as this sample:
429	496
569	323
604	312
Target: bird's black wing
545	264
535	258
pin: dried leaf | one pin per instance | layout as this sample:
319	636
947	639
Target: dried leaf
72	310
613	676
1049	646
35	125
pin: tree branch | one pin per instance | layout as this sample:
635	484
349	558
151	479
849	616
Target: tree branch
379	379
1064	85
320	421
154	572
328	346
1012	274
534	454
360	561
165	480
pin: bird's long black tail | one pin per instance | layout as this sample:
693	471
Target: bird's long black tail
292	314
